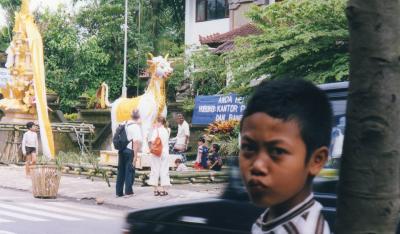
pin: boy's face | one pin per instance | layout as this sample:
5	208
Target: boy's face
34	128
272	161
179	119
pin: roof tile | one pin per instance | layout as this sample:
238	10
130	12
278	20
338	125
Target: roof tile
218	39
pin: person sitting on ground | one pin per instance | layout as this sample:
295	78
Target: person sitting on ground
214	159
180	166
30	146
182	137
202	154
285	134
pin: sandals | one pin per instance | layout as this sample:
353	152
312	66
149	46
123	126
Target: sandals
163	193
160	193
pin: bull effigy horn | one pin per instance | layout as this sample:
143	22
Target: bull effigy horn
166	56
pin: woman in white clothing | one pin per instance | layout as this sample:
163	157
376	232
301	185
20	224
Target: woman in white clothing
159	174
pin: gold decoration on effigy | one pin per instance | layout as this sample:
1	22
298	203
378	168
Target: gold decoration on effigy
19	94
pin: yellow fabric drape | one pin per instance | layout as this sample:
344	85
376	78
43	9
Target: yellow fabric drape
36	49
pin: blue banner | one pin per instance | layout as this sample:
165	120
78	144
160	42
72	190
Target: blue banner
208	109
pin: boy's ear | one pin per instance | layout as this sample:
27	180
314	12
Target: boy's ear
318	160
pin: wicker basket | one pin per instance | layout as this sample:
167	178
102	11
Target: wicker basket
45	181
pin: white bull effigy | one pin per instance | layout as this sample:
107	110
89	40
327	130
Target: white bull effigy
150	105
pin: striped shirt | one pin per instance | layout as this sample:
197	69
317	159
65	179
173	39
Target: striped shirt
305	218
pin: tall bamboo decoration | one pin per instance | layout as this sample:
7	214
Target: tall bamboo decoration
25	95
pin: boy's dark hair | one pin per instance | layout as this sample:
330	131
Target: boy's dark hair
29	125
178	161
216	147
202	139
299	100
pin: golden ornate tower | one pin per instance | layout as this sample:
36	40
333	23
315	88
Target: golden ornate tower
25	94
19	94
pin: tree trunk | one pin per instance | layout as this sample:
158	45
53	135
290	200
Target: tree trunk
369	177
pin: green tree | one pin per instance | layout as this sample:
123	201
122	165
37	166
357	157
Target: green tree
176	78
4	38
105	21
369	177
73	64
300	38
208	73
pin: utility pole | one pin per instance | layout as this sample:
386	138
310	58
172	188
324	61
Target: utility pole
138	45
124	89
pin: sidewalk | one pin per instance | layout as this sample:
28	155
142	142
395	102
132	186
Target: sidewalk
80	189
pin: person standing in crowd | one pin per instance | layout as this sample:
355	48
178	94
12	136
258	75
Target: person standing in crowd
127	157
202	154
182	137
214	159
30	146
159	174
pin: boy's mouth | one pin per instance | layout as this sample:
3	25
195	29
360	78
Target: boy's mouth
256	186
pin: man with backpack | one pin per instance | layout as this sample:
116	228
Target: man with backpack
127	140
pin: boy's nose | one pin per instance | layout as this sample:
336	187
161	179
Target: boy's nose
260	166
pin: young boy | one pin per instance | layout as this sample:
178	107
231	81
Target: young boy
285	134
202	154
30	146
180	166
214	159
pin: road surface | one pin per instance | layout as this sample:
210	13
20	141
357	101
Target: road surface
20	213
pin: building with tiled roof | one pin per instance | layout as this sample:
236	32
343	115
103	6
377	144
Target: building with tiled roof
225	41
217	23
205	18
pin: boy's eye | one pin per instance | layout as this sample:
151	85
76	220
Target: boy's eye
248	148
276	152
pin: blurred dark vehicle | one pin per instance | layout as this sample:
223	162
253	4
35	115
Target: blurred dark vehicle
232	212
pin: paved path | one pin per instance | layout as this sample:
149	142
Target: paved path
81	189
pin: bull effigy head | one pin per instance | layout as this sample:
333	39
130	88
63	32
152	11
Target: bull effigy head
159	66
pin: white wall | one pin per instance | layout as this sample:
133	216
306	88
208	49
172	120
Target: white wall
193	29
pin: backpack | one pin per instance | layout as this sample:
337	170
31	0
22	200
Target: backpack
120	139
156	146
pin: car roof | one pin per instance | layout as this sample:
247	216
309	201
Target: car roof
334	86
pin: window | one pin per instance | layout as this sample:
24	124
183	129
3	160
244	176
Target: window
211	10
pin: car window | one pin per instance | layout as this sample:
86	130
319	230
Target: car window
337	135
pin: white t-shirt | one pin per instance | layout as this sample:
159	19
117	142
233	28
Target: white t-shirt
183	131
133	132
182	167
304	218
30	139
164	135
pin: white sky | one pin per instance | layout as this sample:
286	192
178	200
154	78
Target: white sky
40	4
